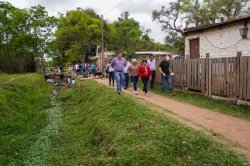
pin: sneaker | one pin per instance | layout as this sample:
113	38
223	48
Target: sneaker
135	92
147	94
119	91
171	94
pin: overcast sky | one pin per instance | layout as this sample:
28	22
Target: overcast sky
140	10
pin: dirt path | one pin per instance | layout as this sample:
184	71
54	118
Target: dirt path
12	79
232	128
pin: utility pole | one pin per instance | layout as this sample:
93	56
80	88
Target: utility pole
102	44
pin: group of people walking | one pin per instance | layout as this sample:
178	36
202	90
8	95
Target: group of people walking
121	70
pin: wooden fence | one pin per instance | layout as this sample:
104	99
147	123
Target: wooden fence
226	77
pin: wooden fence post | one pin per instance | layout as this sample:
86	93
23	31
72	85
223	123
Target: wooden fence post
207	58
185	61
208	76
226	90
239	74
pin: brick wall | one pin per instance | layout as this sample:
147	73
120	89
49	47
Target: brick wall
222	41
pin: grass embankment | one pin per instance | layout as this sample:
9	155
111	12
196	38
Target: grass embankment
241	111
102	128
22	101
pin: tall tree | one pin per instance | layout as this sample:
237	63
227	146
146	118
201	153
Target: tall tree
110	34
124	16
78	32
230	9
127	36
198	12
170	18
22	36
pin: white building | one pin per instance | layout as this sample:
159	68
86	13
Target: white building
223	39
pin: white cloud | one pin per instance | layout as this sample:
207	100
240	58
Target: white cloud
142	6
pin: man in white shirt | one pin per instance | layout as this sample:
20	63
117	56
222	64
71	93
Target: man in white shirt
125	71
151	63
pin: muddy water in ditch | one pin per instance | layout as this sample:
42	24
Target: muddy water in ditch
40	150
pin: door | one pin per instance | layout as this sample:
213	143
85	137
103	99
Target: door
195	48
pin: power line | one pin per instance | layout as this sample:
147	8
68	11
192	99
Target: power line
117	4
134	4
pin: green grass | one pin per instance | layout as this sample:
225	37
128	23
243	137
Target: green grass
241	111
22	102
5	78
102	128
41	149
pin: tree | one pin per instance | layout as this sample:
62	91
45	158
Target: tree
207	11
178	45
41	27
124	16
230	9
127	36
170	38
91	12
78	32
148	44
110	34
198	12
170	18
24	33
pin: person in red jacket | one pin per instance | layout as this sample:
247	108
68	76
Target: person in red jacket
145	75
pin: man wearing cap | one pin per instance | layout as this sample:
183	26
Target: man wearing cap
118	65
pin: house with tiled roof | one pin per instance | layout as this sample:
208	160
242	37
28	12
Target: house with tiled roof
224	39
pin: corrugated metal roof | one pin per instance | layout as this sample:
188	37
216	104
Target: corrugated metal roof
152	52
187	30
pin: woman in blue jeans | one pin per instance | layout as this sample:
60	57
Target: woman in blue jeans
126	75
111	74
133	72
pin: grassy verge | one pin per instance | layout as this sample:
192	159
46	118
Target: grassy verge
22	102
241	111
102	128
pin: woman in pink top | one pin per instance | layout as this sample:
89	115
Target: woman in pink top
133	72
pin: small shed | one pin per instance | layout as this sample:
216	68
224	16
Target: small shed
222	39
